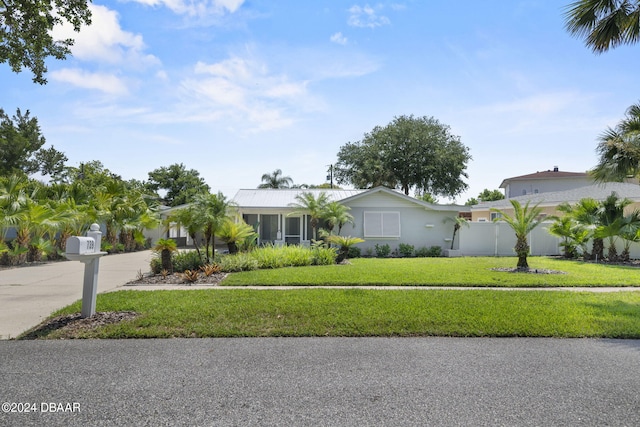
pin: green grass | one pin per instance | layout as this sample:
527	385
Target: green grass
361	312
469	271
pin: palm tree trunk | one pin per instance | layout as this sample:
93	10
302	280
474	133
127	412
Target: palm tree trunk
522	250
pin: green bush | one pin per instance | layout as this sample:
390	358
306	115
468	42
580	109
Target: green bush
324	256
238	262
181	261
406	250
430	252
354	252
186	260
383	251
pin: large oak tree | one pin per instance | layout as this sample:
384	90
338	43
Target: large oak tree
25	32
417	153
21	149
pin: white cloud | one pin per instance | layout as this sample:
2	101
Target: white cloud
106	83
245	90
196	8
366	17
105	42
338	38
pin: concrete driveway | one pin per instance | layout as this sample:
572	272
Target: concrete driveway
28	295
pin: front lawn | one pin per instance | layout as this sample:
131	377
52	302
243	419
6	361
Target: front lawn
467	271
363	313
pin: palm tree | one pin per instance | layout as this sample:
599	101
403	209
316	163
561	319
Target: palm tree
619	149
604	24
313	206
585	212
630	232
234	233
275	180
458	222
166	247
611	222
211	211
337	214
523	220
187	218
573	235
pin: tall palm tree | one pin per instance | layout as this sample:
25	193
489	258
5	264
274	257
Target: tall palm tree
604	24
523	220
337	214
275	180
313	206
619	149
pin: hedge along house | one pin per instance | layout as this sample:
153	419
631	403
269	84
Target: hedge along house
381	216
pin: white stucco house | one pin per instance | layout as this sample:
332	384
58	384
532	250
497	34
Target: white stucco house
381	216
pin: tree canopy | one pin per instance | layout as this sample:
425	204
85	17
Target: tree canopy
21	147
180	184
275	180
410	152
619	149
604	24
25	32
485	196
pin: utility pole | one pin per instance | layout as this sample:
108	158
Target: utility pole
330	176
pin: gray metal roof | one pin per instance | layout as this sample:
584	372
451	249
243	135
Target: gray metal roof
595	191
282	198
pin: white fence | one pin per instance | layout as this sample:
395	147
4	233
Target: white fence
498	239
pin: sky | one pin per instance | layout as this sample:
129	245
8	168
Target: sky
238	88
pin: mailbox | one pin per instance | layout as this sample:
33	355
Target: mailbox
77	245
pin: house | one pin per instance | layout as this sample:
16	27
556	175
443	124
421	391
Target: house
544	182
381	216
549	201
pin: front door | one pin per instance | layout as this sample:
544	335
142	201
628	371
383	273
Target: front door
292	230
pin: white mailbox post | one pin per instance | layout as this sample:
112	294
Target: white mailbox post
87	251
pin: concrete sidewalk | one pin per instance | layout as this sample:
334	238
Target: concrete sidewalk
30	294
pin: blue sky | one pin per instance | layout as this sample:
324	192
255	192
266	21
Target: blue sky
236	89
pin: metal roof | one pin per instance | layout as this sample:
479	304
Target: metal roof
283	197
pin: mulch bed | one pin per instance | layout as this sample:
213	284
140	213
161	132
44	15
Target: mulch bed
72	324
528	270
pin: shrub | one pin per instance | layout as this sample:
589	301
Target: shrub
187	260
345	243
406	250
190	276
354	252
324	256
430	252
238	262
210	269
166	247
383	251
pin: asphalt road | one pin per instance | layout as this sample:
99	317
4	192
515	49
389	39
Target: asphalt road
322	382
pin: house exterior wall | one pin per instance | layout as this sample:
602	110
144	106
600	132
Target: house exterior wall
534	186
484	215
419	226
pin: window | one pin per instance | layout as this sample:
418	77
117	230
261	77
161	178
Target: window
268	228
382	224
495	215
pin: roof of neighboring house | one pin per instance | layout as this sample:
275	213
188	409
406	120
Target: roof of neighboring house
283	197
595	191
549	174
